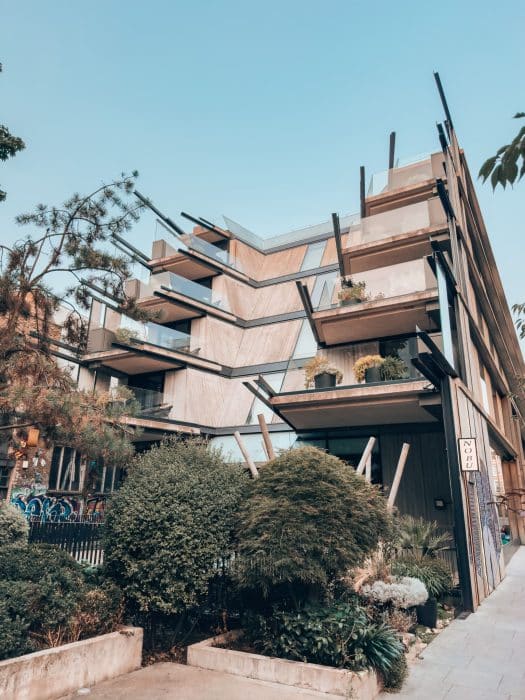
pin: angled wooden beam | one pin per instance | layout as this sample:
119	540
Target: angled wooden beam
397	476
367	452
249	461
338	243
392	150
266	437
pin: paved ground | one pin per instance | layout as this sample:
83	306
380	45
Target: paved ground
168	681
482	657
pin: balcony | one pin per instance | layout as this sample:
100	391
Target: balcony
199	258
395	236
407	183
394	301
131	347
178	298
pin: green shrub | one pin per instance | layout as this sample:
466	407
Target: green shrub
341	635
13	526
394	678
169	523
306	520
434	573
45	600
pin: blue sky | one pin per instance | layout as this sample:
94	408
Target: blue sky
263	111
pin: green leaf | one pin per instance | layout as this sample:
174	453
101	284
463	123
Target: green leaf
487	167
495	176
519	115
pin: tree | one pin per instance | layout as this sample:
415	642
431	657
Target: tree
9	146
75	241
169	523
306	521
504	168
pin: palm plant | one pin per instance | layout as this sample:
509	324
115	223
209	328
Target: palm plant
421	536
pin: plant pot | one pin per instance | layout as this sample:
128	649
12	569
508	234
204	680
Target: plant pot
372	374
427	613
325	380
350	302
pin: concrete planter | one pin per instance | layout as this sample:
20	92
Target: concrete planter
54	673
362	685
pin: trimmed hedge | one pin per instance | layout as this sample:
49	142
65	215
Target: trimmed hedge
13	526
306	521
169	523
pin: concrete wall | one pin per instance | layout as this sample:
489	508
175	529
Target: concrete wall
53	673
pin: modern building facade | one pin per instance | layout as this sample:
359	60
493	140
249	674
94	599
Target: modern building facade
238	317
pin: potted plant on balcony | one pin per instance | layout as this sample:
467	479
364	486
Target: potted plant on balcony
352	293
319	373
393	368
368	368
125	335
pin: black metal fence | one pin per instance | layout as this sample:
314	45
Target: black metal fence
83	540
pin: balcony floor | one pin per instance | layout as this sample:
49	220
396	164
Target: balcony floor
385	403
377	319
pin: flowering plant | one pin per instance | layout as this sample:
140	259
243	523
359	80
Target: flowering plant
401	592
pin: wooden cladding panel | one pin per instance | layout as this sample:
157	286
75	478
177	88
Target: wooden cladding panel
425	477
272	343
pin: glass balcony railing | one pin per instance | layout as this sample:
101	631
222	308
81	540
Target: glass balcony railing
161	336
413	217
381	283
181	285
147	399
419	170
211	251
389	360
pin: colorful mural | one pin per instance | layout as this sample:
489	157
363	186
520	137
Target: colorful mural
35	503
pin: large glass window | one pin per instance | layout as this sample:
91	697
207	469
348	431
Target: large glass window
306	345
275	380
313	255
65	470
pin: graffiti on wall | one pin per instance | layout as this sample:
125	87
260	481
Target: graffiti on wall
35	503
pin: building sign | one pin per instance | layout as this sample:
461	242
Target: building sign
468	454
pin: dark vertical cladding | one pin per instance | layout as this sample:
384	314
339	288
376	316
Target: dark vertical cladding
338	245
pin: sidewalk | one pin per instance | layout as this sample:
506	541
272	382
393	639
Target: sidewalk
482	657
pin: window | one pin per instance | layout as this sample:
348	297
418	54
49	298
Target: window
313	255
65	470
103	479
306	345
405	349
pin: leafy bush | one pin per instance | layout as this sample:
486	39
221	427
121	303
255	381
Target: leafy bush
340	635
44	599
306	520
434	573
13	526
169	523
394	678
402	592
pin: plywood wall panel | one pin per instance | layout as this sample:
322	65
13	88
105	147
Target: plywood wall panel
272	343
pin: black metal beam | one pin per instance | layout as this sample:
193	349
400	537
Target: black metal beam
162	216
392	150
267	403
445	201
263	384
362	192
443	98
338	244
205	224
438	357
442	138
128	245
455	476
307	303
135	258
421	365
